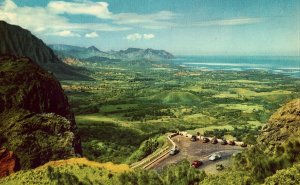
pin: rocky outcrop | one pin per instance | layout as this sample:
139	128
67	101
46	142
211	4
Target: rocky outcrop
8	162
36	121
20	42
283	125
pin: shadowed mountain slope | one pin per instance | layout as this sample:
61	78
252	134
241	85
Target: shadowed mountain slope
36	122
15	40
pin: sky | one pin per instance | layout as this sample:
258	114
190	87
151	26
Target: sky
182	27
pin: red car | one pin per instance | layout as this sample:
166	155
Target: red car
196	164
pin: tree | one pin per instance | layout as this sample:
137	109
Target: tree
289	176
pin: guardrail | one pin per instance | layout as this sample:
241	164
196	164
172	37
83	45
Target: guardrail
151	159
148	165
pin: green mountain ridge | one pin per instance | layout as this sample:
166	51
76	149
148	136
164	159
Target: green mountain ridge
20	42
36	121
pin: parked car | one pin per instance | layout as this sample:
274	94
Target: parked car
214	140
205	140
196	164
193	138
231	142
215	156
224	142
243	145
173	151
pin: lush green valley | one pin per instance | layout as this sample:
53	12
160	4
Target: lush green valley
145	99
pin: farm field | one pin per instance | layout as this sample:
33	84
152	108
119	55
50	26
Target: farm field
131	103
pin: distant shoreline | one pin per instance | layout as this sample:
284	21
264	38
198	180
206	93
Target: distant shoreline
289	66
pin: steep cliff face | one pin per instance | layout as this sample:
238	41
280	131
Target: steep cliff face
36	122
18	41
15	40
283	125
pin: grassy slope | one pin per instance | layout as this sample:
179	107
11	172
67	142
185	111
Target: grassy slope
71	171
87	174
177	97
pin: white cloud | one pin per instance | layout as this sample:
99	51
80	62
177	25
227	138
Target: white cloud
9	5
66	33
97	9
91	35
229	22
134	37
138	36
43	21
148	36
239	21
51	19
159	20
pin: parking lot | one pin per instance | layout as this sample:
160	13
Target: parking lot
198	150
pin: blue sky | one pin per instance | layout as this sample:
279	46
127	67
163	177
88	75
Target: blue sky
183	27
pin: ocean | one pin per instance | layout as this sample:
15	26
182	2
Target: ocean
289	66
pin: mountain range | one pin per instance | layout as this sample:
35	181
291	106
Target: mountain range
94	54
20	42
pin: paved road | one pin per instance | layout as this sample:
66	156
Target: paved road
197	151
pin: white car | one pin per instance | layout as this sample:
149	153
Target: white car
174	151
215	156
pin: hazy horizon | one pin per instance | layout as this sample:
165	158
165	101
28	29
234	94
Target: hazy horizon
186	54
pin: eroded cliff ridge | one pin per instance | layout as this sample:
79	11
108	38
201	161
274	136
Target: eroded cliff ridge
36	122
